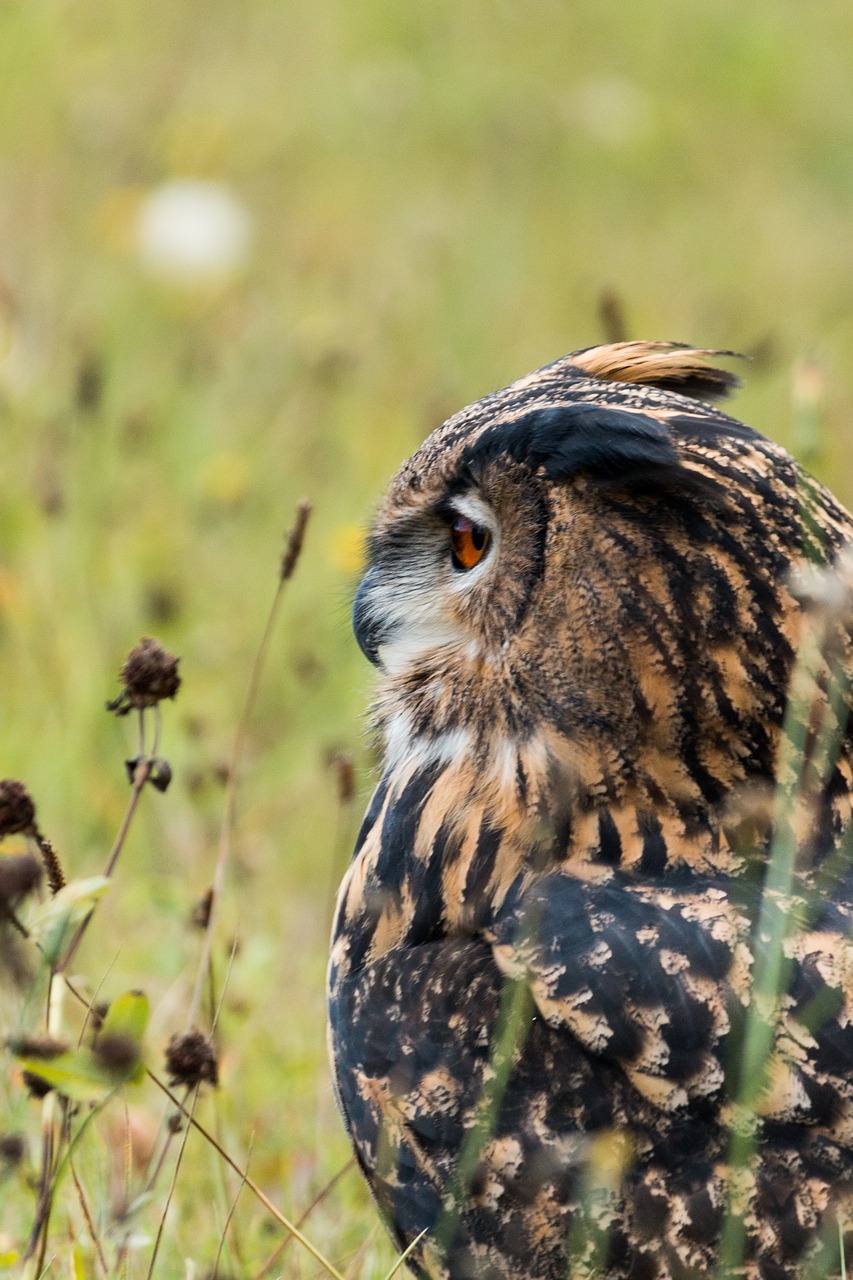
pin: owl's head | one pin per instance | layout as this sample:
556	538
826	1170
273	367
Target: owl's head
593	563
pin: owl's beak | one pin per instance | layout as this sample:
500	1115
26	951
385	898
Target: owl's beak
368	629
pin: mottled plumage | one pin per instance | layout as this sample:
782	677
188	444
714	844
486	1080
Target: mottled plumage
582	734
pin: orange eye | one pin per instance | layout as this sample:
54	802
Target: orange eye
470	542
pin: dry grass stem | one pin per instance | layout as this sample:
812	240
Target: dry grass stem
293	548
84	1209
303	1218
230	1216
141	775
172	1184
252	1185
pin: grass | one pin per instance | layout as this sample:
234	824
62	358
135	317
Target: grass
440	194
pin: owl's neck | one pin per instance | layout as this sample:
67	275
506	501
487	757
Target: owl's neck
443	842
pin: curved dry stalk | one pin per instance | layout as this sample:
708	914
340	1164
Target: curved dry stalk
215	1275
249	1182
303	1218
140	776
292	551
87	1217
172	1186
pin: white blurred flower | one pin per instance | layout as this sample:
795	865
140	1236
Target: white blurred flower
188	229
611	110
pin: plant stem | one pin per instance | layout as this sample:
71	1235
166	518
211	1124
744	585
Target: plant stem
292	551
141	775
252	1185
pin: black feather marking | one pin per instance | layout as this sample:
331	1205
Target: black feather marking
477	901
654	857
399	830
706	428
572	439
609	841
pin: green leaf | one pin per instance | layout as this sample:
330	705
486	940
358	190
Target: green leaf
128	1016
51	923
89	1074
78	1074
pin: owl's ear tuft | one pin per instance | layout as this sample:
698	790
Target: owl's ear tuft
606	444
668	365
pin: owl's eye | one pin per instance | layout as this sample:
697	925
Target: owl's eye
470	542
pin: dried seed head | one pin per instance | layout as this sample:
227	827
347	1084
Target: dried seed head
90	384
16	961
117	1052
19	876
45	1047
52	865
17	811
98	1013
611	313
150	674
344	772
190	1060
161	774
200	916
36	1087
38	1047
13	1148
294	540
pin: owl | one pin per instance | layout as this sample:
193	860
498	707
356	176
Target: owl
591	979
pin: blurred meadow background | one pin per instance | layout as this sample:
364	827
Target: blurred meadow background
255	252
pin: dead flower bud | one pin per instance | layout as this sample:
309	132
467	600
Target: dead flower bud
16	961
344	771
158	771
52	865
161	774
200	915
45	1047
17	811
150	674
133	763
97	1014
20	875
36	1087
13	1148
40	1047
294	540
117	1052
190	1060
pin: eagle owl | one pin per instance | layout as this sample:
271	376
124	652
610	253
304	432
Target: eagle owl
591	982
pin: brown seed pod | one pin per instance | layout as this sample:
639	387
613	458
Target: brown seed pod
13	1148
190	1060
45	1047
52	865
150	674
200	915
344	770
117	1052
19	877
17	811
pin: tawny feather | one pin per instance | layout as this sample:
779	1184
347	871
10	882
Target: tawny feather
669	365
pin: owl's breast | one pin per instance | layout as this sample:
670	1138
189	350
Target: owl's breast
445	841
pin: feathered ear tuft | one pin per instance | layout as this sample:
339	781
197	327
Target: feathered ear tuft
609	445
669	365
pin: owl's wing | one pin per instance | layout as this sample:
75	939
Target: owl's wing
659	980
